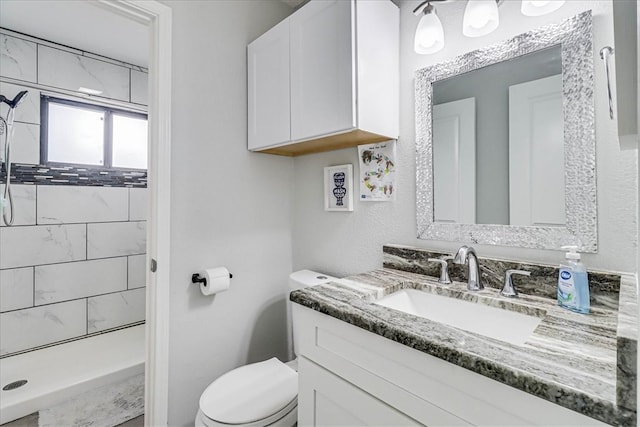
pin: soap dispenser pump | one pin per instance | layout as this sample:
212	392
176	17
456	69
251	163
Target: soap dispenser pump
573	282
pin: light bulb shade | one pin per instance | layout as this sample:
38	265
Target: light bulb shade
480	18
429	35
540	7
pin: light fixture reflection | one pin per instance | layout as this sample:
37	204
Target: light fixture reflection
480	18
429	33
540	7
89	91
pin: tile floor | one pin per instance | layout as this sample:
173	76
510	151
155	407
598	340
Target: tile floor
32	421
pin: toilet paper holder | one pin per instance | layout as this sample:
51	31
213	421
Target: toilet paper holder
197	279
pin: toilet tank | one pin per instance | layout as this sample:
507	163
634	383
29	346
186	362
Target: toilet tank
298	280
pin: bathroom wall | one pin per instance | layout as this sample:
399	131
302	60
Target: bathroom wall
73	263
347	243
230	207
44	67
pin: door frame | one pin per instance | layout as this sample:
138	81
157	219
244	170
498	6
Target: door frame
157	17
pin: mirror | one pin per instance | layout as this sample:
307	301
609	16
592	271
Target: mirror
506	144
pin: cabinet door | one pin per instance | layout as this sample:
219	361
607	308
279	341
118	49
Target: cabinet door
268	87
322	71
325	399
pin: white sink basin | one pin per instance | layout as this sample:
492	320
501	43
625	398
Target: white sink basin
478	318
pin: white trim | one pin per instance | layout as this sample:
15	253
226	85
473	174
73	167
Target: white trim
158	17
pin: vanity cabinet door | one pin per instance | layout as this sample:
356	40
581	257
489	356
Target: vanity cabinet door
325	399
322	78
268	88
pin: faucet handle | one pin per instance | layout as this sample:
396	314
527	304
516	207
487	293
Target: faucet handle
444	269
508	289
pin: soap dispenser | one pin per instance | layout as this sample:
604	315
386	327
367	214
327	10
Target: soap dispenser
573	283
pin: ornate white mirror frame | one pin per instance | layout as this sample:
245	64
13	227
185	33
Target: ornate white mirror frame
574	35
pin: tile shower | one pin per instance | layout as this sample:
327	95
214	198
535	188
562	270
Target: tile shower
73	264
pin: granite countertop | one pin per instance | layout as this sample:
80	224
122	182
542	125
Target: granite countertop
571	359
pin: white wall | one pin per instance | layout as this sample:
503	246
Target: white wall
72	264
346	243
230	207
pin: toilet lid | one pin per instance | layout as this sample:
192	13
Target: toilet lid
250	393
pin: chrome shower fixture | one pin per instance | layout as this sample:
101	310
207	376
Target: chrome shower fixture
15	101
6	128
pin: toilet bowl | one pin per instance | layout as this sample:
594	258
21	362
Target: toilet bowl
258	394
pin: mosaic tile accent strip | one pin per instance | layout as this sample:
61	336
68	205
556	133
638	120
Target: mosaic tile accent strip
73	175
604	287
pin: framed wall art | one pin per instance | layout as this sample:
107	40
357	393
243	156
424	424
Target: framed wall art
377	179
338	188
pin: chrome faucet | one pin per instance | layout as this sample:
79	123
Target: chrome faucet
467	255
509	289
444	270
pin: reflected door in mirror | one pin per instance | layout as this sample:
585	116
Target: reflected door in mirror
536	153
454	161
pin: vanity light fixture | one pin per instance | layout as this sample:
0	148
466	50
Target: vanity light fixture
429	36
481	17
540	7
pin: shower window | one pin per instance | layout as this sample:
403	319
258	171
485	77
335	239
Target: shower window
78	133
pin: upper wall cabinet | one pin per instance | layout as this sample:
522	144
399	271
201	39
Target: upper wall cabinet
269	95
325	78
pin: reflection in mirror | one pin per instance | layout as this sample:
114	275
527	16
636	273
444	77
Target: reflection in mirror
498	143
505	142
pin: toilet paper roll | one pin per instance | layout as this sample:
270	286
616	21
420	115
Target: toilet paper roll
216	280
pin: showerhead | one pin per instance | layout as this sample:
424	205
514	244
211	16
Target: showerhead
15	101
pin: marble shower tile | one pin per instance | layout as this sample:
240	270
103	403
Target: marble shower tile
73	280
139	87
113	239
138	199
29	109
33	327
113	310
71	71
137	271
16	288
72	204
25	146
17	58
24	197
46	244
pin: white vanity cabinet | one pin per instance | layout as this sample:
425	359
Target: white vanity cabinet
348	376
331	401
325	78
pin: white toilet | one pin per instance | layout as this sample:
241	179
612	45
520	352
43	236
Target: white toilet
259	394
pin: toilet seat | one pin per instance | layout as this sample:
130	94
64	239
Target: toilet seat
288	417
256	394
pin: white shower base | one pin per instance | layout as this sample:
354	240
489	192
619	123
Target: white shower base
58	373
